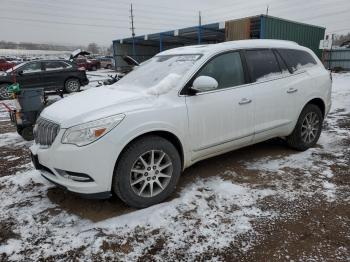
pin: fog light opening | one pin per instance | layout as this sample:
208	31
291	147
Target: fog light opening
78	177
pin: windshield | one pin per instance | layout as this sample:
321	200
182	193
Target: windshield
15	67
158	69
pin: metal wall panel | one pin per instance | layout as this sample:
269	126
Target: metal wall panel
337	58
142	53
303	34
237	29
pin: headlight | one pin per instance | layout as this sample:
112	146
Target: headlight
89	132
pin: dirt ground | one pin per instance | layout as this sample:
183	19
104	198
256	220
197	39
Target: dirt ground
307	219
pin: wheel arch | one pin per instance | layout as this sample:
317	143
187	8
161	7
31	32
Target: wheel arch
171	137
319	103
71	77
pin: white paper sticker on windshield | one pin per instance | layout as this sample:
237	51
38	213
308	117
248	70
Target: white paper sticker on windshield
187	58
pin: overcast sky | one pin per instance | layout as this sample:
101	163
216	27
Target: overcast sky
85	21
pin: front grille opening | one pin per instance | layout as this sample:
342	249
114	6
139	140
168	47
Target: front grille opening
45	132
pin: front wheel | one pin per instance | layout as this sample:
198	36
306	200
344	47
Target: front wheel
72	85
4	94
147	172
308	128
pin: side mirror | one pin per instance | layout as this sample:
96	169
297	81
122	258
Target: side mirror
204	83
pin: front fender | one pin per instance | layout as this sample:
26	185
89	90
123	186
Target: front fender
156	126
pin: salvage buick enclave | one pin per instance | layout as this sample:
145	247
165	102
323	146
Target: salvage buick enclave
184	105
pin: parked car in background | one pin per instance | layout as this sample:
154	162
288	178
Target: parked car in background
88	64
106	63
5	65
184	105
47	74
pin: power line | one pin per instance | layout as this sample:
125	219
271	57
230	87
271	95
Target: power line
70	23
85	18
107	10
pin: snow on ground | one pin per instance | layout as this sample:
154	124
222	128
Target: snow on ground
208	213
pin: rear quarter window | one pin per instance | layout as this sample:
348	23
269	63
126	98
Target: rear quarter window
297	59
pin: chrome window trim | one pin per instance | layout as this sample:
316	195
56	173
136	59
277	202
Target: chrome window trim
250	84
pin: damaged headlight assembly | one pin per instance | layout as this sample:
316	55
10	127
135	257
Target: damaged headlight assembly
89	132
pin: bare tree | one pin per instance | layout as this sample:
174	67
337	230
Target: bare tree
93	48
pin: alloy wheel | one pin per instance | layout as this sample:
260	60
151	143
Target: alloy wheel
4	94
151	173
73	85
310	127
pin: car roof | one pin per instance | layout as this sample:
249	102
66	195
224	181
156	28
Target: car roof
241	44
48	60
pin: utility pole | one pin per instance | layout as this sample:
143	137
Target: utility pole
132	30
330	53
199	33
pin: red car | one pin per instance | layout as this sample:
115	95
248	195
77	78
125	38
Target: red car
88	64
5	65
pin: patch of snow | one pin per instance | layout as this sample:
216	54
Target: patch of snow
330	190
217	210
12	139
165	85
271	76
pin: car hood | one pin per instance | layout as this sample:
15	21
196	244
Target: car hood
130	61
78	52
96	103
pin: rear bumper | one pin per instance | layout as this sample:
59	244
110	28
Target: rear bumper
84	82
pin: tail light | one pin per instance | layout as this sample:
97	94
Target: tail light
82	68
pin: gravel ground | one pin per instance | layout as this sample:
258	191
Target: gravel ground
260	203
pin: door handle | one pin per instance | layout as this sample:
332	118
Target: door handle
245	101
292	90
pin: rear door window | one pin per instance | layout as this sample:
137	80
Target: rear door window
262	65
226	69
55	65
297	59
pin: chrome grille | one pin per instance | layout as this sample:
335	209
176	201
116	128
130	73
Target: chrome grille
45	132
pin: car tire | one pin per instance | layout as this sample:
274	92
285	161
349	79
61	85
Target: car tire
4	94
27	133
72	85
94	68
153	181
109	66
308	128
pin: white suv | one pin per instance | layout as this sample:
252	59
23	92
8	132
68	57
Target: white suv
182	106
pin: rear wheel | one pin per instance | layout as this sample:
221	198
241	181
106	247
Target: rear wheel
109	66
308	128
94	68
72	85
4	94
147	172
